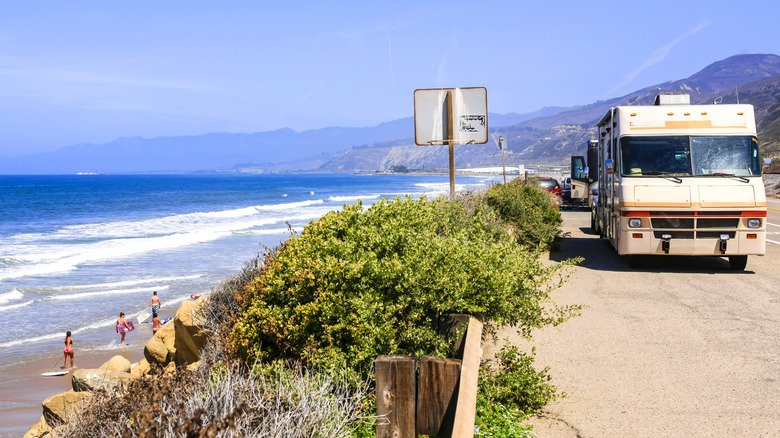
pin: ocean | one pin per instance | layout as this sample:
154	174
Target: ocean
76	250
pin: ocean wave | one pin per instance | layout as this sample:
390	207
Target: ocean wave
125	283
12	295
352	198
107	292
15	306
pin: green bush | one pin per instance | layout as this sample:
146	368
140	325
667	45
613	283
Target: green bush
495	420
515	383
363	282
529	210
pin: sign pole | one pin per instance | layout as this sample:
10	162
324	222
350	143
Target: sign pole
503	163
451	143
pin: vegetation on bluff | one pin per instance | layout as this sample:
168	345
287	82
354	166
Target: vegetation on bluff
355	284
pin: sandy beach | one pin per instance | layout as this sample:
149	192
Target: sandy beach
23	389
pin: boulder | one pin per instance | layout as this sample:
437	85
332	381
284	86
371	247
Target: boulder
57	407
117	363
85	379
140	369
38	430
190	339
160	348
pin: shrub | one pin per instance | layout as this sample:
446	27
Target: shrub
515	383
531	212
359	283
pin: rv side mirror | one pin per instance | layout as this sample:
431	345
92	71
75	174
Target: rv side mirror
610	165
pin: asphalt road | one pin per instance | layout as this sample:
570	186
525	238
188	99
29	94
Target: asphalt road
683	347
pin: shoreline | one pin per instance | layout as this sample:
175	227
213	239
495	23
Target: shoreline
23	389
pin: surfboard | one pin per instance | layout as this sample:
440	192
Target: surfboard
54	373
143	316
123	329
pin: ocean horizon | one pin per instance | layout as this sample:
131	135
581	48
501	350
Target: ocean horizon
75	250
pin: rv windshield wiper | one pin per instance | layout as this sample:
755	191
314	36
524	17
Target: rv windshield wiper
729	175
664	175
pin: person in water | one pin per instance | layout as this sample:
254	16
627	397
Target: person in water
155	303
68	350
122	327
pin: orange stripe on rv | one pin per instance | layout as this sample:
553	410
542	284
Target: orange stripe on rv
688	124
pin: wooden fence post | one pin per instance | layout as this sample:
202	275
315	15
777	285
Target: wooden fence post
437	395
466	409
396	393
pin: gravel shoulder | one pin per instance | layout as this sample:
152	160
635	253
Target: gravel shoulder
682	347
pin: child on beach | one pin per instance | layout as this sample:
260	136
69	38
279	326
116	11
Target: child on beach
122	326
68	350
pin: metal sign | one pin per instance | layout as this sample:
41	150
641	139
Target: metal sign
450	116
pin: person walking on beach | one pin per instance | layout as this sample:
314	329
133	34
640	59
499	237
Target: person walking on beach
68	350
155	303
122	327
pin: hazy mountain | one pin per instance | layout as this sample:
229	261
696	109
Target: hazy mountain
549	135
273	151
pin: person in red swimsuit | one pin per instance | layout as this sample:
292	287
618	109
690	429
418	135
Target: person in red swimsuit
68	350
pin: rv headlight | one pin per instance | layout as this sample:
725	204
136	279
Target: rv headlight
754	223
634	222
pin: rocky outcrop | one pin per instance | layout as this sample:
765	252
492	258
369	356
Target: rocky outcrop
92	379
189	337
55	412
161	348
118	364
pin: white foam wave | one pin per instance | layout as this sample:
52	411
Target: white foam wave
13	295
107	292
128	282
352	198
15	306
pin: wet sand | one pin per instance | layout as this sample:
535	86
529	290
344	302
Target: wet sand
23	389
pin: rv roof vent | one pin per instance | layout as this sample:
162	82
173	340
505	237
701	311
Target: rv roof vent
673	99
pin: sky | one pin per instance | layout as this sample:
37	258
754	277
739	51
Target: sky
74	72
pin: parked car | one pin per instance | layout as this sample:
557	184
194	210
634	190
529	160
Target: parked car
551	185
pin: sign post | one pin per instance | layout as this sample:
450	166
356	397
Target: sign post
450	116
502	146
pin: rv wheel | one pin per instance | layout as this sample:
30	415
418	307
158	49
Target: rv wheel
738	263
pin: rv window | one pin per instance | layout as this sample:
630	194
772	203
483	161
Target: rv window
647	156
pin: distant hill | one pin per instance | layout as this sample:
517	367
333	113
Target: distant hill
547	136
274	151
552	139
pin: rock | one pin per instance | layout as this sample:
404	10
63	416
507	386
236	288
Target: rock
193	366
91	379
117	363
57	407
190	339
38	430
171	368
160	349
140	369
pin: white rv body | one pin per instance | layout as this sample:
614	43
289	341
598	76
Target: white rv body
681	179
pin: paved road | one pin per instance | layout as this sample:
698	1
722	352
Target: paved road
683	347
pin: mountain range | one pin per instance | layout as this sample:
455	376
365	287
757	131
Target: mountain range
547	136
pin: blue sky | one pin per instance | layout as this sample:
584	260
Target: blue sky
89	72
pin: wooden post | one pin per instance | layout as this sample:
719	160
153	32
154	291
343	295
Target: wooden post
466	408
396	391
437	396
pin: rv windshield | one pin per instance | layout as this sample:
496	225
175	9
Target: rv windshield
689	156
